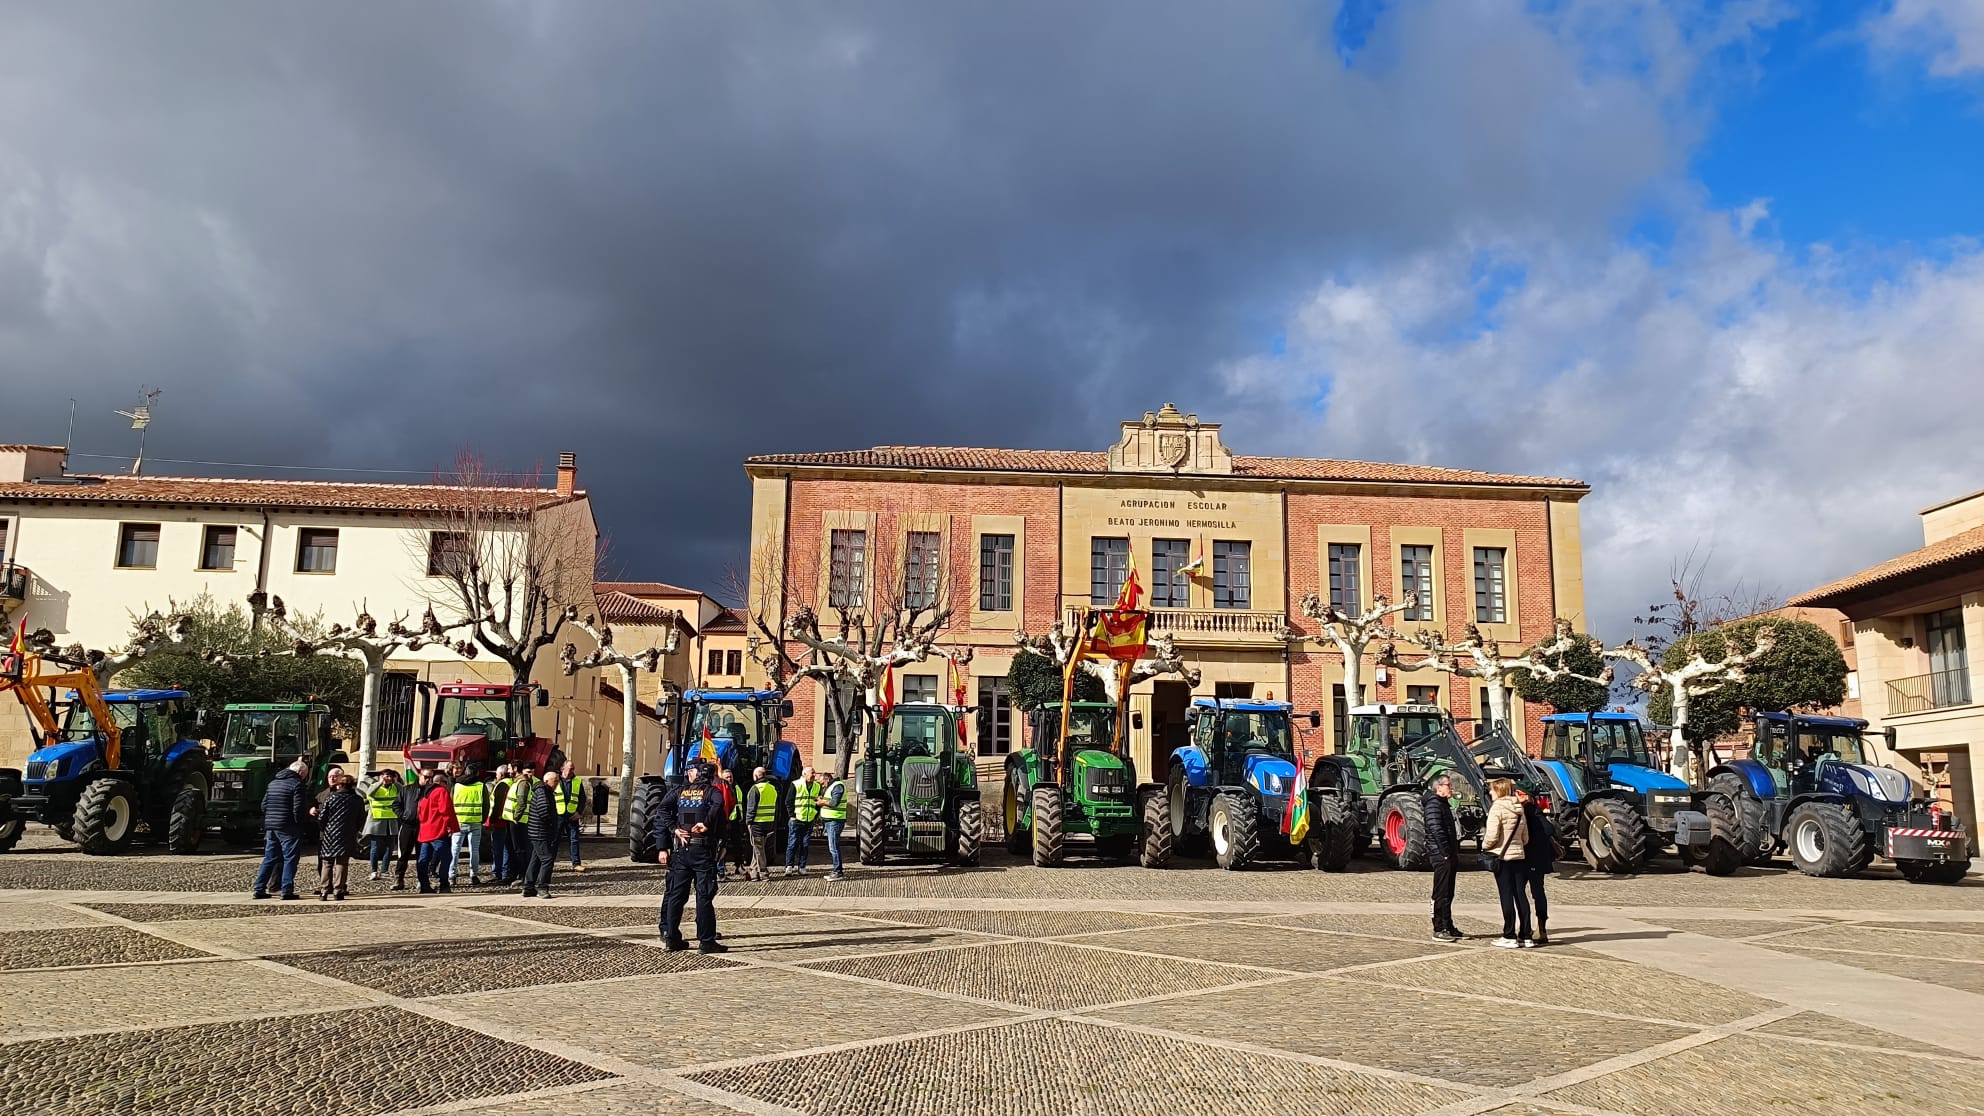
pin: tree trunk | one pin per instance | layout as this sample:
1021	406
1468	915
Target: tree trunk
368	714
629	725
1353	674
1498	702
1678	754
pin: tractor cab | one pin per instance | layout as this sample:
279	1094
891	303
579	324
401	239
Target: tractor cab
1091	727
1242	743
1380	736
1804	755
1587	747
256	741
734	729
480	726
151	725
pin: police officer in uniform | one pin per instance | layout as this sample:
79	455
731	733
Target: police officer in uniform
690	823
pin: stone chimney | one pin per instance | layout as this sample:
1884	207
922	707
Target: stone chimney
26	463
568	473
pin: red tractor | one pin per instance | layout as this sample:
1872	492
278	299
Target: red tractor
480	726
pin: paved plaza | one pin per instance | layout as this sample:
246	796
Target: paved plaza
149	984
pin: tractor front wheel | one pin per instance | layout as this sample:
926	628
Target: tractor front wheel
1154	828
1824	839
971	831
1019	837
1933	871
1049	840
1614	837
641	847
188	821
871	823
12	827
1724	851
106	817
1757	842
1236	831
1331	842
1402	828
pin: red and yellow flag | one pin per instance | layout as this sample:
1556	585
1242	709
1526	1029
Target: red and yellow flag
958	695
707	753
888	700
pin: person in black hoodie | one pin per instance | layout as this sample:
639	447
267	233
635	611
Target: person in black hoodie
286	811
1539	860
1443	851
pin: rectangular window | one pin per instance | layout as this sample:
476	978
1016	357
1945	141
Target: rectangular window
1491	597
1232	575
920	570
995	717
1484	710
217	548
1108	565
1168	587
1415	574
1345	591
1846	633
1422	695
1949	658
733	662
919	687
830	725
316	550
1340	718
714	663
847	582
137	546
3	539
995	573
447	551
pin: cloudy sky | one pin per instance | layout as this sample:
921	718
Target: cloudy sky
1720	260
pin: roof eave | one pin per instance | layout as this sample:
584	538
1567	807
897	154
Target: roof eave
1560	487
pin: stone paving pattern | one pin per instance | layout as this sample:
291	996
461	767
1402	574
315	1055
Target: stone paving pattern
1011	990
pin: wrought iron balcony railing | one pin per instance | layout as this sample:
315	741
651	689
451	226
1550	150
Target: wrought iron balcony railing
1936	690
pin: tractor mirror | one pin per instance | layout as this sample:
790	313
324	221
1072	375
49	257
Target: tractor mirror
543	698
785	709
1315	719
1889	733
1136	719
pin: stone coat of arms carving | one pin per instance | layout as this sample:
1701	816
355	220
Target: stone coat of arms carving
1173	449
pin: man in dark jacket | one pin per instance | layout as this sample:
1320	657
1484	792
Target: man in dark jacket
407	810
689	824
1443	851
542	830
1538	861
285	811
339	818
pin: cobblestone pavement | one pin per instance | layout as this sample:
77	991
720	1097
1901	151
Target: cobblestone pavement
148	984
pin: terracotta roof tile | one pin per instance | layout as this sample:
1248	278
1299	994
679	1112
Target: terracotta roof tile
1078	461
647	589
729	620
19	447
222	491
1950	551
619	608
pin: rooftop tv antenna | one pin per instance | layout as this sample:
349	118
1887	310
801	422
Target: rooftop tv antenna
141	417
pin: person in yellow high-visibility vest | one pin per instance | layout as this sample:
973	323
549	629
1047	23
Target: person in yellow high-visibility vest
570	797
833	818
761	814
805	811
471	797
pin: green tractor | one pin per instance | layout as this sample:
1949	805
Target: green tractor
256	741
1073	779
919	790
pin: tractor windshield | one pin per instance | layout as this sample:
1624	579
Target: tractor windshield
79	724
1089	726
740	725
476	716
1619	742
918	732
264	733
1256	731
1841	744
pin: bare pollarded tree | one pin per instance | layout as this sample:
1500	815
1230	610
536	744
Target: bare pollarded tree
514	560
1161	658
1479	657
852	659
155	633
1353	634
630	664
1697	676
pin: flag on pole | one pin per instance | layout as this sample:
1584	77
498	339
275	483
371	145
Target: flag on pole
1197	566
888	699
1133	589
958	693
1121	634
707	753
1295	821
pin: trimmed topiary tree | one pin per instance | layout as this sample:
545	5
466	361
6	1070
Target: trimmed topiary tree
1034	681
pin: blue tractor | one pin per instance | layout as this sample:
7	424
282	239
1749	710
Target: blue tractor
1229	789
1620	808
736	730
1810	788
115	763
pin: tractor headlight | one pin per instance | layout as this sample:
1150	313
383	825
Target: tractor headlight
1273	783
1670	799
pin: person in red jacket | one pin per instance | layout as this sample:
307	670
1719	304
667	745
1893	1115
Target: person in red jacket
437	825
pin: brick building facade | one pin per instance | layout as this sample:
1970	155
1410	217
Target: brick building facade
1014	539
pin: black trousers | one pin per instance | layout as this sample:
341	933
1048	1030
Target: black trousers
537	877
1534	875
694	862
1510	878
409	850
1443	895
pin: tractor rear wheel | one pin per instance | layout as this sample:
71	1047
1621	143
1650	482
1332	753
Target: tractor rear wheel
1331	842
646	802
1402	828
187	824
971	831
1154	827
1019	837
1049	841
1824	839
1614	837
1933	871
1757	842
106	817
11	826
1236	830
871	823
1724	852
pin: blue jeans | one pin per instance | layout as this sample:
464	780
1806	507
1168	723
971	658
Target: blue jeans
572	827
382	851
834	826
279	851
798	835
470	835
502	852
433	863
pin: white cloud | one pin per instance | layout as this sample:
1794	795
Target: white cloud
1950	32
1780	407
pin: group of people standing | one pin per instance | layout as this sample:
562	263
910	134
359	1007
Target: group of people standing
1519	844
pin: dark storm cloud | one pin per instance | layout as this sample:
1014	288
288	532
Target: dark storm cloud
670	236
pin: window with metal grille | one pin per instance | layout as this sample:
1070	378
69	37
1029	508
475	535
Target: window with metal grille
1232	575
995	717
447	552
920	566
1168	587
217	548
847	581
1490	585
1415	577
137	546
1108	565
919	687
317	550
396	708
1346	592
995	573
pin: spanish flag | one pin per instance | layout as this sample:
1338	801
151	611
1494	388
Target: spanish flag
1133	589
1121	634
707	753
